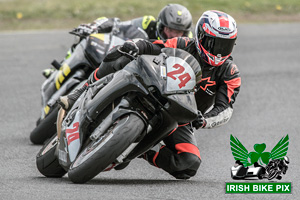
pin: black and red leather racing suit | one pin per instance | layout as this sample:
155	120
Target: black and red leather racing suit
215	96
218	88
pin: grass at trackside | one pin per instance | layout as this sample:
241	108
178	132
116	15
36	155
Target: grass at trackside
49	14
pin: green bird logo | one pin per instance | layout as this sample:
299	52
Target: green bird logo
239	152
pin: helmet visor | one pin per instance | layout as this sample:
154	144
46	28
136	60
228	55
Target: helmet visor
218	46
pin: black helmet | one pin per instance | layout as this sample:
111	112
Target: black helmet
174	16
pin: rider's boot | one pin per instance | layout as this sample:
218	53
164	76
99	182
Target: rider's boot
122	165
151	154
67	101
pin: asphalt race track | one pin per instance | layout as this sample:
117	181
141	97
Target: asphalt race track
266	109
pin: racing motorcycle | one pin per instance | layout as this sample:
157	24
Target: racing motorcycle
276	168
122	115
73	70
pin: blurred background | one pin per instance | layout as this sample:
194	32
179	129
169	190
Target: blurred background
58	14
267	107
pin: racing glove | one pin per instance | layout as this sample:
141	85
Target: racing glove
130	48
84	30
199	122
104	25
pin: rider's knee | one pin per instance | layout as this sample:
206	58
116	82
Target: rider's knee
194	164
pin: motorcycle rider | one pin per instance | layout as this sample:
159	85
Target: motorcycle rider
277	167
174	20
216	33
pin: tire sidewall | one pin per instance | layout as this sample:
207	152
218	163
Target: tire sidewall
123	136
45	129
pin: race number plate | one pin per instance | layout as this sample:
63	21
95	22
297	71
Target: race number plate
180	75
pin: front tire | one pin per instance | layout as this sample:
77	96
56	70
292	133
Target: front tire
100	153
45	129
46	161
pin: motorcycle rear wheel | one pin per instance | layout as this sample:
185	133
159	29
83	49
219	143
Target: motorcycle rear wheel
45	129
46	161
97	155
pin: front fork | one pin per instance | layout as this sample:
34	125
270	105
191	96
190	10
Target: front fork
119	111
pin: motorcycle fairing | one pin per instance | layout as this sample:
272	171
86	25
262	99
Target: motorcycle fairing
151	70
181	100
63	72
96	48
122	82
184	57
51	94
115	41
156	135
122	109
98	45
65	78
182	103
72	136
77	60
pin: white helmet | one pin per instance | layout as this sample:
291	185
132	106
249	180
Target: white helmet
216	33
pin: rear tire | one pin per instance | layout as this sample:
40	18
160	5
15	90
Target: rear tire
46	161
100	153
45	129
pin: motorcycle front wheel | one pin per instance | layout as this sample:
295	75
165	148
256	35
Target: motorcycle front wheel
45	129
98	154
47	162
